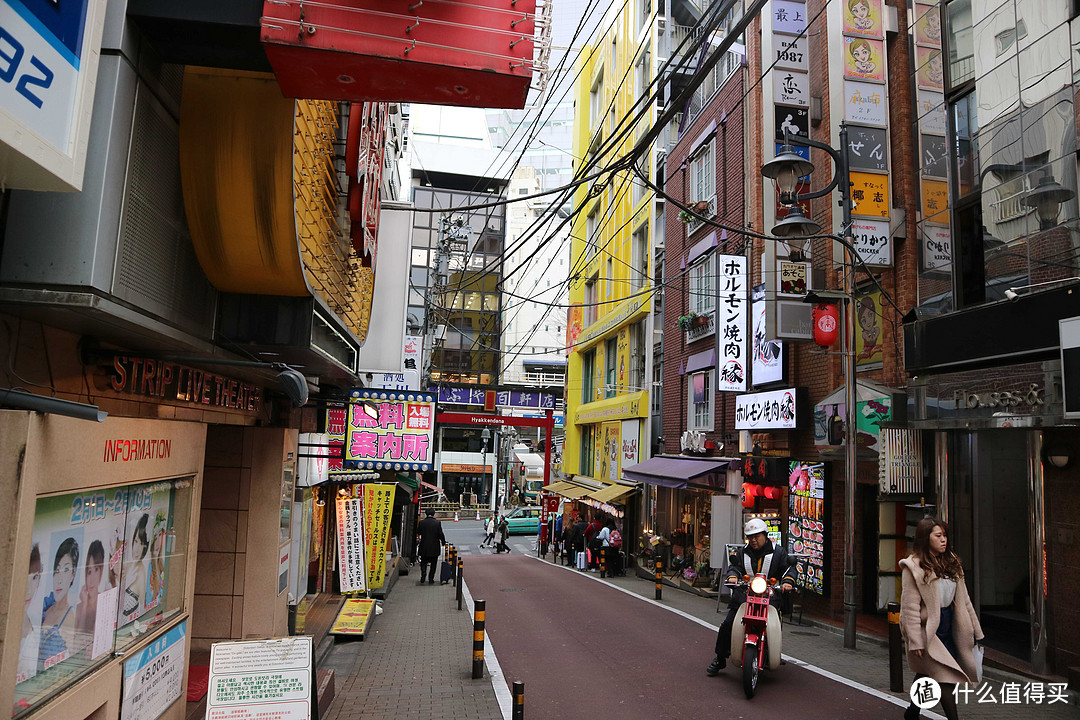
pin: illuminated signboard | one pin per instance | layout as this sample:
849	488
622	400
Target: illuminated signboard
390	431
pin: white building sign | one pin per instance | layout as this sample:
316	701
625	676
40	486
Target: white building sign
872	241
774	410
733	308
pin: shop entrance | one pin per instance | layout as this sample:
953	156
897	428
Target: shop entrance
988	500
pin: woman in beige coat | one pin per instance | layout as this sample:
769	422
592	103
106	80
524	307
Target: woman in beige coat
937	619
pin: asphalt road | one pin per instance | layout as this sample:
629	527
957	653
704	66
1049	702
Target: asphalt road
584	649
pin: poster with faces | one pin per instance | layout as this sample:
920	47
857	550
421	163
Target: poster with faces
864	59
863	17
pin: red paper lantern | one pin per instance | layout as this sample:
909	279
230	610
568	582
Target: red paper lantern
772	493
747	496
826	319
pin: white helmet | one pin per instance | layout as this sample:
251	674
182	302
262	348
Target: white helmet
755	526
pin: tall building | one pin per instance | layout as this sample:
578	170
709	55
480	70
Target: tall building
611	291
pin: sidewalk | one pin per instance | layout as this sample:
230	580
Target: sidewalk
415	663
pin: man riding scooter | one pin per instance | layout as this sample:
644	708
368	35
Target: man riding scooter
759	555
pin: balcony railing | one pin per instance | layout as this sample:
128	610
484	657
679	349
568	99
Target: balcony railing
535	378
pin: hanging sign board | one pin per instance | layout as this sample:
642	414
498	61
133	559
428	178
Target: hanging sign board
350	527
734	311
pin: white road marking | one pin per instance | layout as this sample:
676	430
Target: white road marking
498	681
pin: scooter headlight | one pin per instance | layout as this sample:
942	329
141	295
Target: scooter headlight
758	585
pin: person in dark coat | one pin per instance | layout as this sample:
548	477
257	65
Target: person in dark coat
759	555
430	537
577	539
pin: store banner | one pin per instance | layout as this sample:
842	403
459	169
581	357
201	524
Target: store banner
314	459
388	430
378	509
154	676
350	531
734	311
807	526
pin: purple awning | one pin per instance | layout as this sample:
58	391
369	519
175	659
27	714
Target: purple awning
678	472
701	360
701	248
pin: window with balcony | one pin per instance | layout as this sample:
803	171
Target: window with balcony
700	401
702	286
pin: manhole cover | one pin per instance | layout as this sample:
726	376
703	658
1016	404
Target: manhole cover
512	590
803	632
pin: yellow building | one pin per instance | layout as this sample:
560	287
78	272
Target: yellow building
610	323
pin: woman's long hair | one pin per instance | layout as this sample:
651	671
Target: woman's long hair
945	565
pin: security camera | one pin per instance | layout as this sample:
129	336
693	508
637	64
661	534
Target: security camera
1011	294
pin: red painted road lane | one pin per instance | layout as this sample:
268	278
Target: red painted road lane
586	650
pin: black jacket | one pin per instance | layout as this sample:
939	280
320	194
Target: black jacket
782	568
430	537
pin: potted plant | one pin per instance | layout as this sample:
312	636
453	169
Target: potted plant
685	322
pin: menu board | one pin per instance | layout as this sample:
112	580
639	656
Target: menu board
807	528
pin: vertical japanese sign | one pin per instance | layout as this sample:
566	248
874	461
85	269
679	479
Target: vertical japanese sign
806	523
390	430
350	532
732	337
337	420
378	508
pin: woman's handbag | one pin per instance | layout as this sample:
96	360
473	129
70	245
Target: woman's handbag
977	653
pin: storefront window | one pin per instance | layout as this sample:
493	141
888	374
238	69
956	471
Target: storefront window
105	568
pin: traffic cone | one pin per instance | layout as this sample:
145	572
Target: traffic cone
477	513
456	518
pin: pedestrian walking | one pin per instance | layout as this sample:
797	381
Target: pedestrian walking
504	532
430	537
615	554
937	619
489	532
578	539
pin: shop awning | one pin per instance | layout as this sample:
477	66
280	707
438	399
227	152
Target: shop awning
680	472
612	493
408	481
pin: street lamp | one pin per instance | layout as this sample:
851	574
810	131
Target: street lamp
485	435
786	169
1046	198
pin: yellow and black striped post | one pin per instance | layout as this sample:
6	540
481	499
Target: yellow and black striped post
603	562
659	579
478	640
517	712
453	563
460	571
896	649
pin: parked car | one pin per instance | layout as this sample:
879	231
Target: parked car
523	520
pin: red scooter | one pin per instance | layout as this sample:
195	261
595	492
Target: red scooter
758	645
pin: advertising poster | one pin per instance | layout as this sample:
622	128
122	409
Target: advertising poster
930	75
864	59
807	526
378	509
928	25
733	315
350	529
391	433
154	677
768	354
863	17
575	323
868	339
870	194
610	452
260	679
629	443
99	562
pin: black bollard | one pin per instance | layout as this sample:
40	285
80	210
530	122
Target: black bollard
460	571
478	640
453	564
603	562
518	710
896	649
659	579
